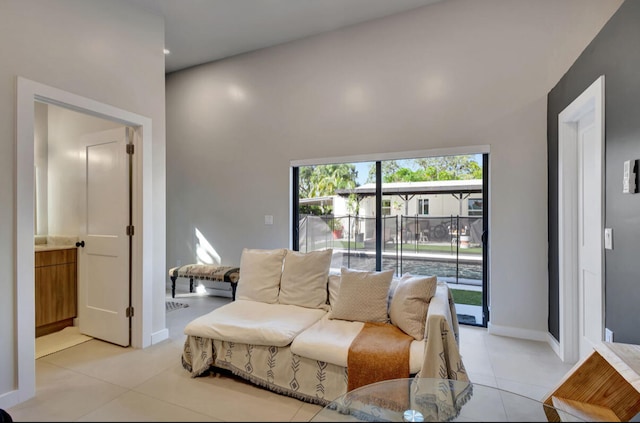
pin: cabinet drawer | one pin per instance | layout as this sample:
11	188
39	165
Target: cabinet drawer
49	258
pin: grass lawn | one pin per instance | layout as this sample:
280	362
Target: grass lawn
461	296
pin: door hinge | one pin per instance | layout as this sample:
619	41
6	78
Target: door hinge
130	230
129	312
129	148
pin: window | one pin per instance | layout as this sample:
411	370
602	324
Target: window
475	206
386	207
423	206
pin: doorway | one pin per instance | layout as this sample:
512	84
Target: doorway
65	163
28	92
581	223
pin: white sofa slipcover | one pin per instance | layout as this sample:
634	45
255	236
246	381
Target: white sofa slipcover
312	367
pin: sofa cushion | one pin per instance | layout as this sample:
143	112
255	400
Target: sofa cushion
328	340
410	302
304	278
254	323
362	296
260	274
333	286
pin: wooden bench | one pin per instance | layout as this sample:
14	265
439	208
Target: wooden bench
208	272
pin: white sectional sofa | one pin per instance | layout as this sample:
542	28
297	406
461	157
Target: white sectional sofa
293	323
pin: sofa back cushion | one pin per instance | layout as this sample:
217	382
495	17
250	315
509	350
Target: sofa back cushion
333	286
260	274
362	296
304	278
410	302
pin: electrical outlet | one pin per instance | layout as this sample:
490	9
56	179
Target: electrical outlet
608	335
178	263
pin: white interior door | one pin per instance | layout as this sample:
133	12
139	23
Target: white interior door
104	283
581	223
590	288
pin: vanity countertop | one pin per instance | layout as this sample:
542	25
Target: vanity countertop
50	243
51	247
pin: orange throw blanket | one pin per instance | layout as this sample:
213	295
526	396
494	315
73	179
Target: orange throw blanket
379	352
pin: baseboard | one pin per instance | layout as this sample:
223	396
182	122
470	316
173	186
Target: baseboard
554	344
159	336
532	335
9	399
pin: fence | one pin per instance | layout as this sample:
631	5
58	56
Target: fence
405	238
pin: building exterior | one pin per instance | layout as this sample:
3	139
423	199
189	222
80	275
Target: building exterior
413	211
429	198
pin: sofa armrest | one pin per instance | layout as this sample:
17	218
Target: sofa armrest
442	357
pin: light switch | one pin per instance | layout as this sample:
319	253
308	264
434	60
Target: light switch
608	239
268	219
629	177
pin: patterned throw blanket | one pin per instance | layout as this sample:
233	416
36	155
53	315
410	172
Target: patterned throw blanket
379	352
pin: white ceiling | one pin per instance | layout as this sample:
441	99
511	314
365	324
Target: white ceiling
200	31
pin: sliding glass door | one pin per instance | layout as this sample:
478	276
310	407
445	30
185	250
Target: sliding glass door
424	216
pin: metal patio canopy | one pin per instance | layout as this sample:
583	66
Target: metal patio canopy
413	188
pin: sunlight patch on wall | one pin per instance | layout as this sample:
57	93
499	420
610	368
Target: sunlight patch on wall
205	253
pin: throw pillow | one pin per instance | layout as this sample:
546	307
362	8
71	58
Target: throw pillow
410	302
304	278
362	296
260	273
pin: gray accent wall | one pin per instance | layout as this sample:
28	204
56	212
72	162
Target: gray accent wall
614	53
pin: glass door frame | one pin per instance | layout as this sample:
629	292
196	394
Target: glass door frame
378	159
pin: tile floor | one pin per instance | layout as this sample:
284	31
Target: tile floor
98	381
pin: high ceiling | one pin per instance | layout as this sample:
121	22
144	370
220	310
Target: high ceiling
200	31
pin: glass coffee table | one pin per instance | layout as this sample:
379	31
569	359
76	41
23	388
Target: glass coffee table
430	400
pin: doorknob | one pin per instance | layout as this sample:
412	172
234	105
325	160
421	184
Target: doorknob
80	244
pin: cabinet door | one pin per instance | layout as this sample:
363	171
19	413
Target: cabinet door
55	293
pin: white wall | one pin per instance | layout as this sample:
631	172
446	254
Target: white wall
41	162
66	210
109	51
456	73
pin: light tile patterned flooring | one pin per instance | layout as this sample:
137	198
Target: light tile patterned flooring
98	381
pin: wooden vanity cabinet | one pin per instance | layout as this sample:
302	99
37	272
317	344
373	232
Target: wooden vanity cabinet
55	290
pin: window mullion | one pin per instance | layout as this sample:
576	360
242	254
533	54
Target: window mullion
379	235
